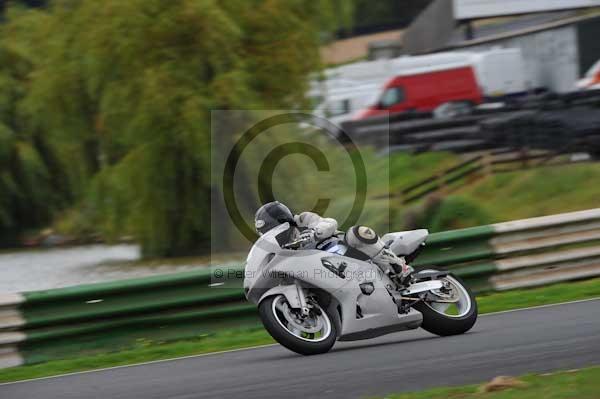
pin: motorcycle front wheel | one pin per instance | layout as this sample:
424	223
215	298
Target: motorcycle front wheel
310	334
450	311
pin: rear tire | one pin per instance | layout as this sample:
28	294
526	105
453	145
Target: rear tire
270	318
444	325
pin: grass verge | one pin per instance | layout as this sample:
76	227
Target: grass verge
536	192
242	338
144	352
580	384
522	298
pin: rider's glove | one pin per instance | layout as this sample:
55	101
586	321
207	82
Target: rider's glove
307	237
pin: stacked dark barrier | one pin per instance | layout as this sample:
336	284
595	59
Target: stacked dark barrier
373	130
560	123
562	130
419	134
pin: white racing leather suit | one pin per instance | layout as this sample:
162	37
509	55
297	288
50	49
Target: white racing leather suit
314	229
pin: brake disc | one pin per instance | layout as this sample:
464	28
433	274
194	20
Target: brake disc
447	294
308	324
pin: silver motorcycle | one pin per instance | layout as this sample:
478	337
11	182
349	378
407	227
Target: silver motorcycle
309	298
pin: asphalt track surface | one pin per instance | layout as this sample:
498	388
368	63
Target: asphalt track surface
511	343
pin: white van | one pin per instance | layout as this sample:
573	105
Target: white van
500	72
341	105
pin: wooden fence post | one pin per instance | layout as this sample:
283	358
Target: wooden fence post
486	161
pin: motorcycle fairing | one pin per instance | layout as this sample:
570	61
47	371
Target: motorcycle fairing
379	314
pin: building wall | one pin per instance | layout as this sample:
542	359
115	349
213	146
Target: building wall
431	30
551	57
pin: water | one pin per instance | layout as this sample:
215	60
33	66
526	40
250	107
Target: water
40	269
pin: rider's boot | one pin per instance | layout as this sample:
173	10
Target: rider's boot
404	273
393	265
396	268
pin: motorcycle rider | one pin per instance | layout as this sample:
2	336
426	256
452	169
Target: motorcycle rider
312	231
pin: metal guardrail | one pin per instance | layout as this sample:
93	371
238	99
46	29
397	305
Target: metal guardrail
58	323
520	253
44	325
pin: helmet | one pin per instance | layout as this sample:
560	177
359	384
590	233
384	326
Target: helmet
271	215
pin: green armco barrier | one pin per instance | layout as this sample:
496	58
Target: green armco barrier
134	303
120	314
454	253
115	287
475	270
457	246
62	305
59	323
218	311
446	237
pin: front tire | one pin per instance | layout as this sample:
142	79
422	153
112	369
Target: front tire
314	335
437	321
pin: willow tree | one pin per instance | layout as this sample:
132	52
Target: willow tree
32	186
124	90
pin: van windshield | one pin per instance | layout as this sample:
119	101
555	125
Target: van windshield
392	96
338	107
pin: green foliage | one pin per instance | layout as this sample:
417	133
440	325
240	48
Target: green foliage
107	104
409	169
455	212
279	46
29	172
496	198
537	192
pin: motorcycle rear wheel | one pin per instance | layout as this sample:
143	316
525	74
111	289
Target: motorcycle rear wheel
308	335
438	321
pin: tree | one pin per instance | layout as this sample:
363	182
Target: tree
123	91
31	177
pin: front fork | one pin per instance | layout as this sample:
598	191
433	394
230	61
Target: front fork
302	299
